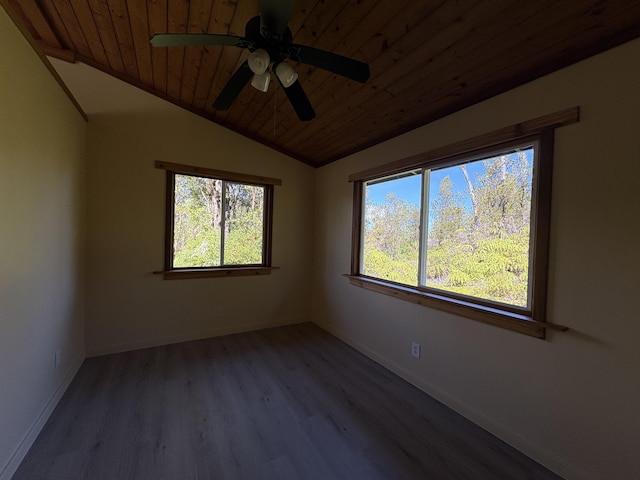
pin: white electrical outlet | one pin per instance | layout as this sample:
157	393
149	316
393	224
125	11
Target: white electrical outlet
415	349
219	311
56	359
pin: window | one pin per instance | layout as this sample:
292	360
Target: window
462	228
462	232
218	223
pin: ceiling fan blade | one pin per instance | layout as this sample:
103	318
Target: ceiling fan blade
198	39
299	101
347	67
274	16
233	87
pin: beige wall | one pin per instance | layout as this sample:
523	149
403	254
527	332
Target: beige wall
41	244
128	306
570	401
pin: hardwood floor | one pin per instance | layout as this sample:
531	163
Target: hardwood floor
284	403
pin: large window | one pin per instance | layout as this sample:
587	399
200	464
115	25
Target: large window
463	232
463	228
218	223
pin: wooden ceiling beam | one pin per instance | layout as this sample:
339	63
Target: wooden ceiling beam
50	12
32	18
65	55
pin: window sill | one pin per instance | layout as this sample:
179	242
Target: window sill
520	323
214	272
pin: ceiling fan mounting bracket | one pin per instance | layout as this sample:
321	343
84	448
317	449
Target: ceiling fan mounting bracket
261	37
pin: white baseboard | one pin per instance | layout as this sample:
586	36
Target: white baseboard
537	453
185	337
7	471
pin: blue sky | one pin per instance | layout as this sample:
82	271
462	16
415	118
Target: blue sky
408	188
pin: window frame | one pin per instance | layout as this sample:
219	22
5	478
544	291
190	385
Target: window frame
170	272
425	170
531	320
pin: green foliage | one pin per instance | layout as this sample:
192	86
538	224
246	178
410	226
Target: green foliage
243	243
379	264
202	249
392	240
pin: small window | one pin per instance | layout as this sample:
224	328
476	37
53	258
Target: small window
218	223
464	228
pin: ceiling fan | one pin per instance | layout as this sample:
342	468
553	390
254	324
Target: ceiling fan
269	40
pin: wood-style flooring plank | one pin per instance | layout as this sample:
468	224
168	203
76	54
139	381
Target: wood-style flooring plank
283	403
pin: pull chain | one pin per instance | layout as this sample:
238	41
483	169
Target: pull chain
275	109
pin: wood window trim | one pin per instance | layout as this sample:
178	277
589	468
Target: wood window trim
182	273
218	174
171	273
492	316
487	140
532	322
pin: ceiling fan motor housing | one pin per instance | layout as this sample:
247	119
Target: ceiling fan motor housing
262	38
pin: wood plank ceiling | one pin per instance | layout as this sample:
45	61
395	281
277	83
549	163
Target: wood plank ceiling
427	58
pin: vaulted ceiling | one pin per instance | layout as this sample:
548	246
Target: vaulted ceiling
427	58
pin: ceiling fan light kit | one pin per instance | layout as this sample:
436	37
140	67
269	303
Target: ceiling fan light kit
259	61
269	40
260	81
286	74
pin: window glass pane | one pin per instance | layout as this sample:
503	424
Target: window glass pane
196	221
479	228
391	230
244	219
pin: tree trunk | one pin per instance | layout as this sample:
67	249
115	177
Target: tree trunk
472	194
214	198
